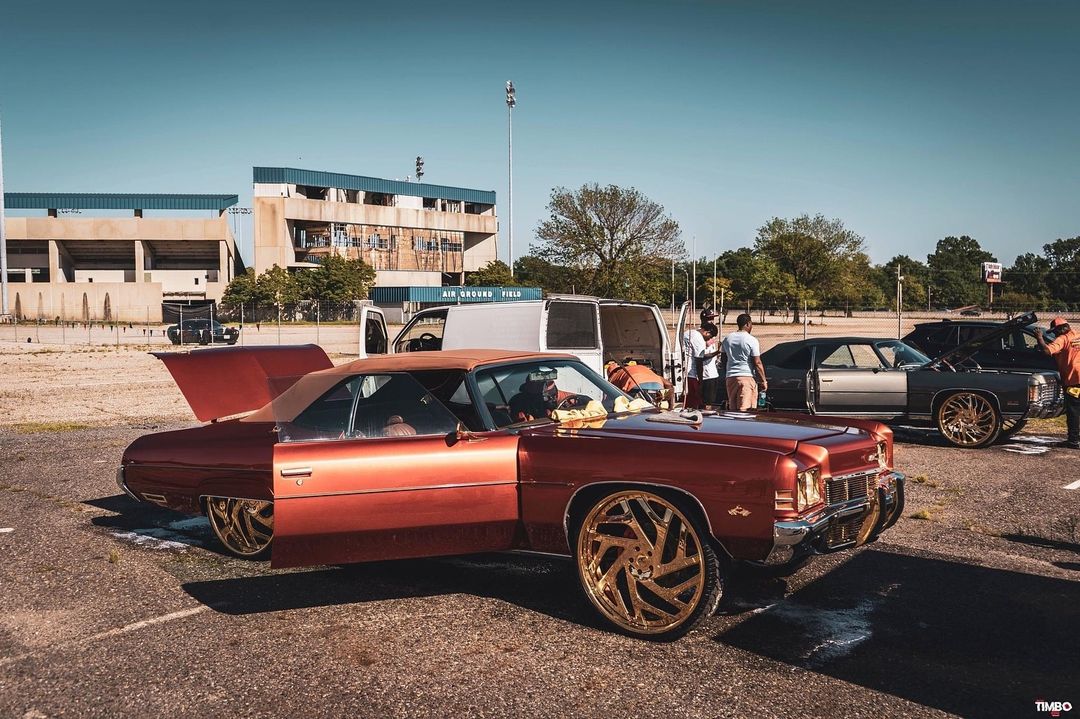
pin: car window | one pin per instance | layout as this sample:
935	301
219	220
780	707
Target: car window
423	334
899	354
864	356
371	406
943	334
529	391
1021	341
839	358
572	325
970	332
800	359
452	390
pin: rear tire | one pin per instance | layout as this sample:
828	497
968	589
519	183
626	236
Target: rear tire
646	564
1009	427
245	527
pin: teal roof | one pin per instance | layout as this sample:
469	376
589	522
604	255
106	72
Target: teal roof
115	201
319	178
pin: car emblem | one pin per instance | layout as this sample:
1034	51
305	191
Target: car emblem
738	511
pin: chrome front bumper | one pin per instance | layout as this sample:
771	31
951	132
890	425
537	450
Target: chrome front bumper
796	538
1048	409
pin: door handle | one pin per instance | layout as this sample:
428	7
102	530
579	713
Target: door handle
296	472
826	380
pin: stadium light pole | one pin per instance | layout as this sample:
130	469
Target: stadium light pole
3	238
511	102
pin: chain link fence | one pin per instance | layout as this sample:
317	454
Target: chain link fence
334	326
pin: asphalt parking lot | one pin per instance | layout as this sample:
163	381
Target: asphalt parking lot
970	606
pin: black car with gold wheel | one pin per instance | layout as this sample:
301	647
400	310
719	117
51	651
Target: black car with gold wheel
887	379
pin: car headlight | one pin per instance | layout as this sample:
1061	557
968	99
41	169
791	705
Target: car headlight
882	455
809	488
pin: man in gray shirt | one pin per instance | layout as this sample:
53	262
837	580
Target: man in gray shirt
743	355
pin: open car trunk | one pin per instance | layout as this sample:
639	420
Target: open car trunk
631	332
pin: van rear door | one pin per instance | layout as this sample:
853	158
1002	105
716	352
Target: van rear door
574	326
676	370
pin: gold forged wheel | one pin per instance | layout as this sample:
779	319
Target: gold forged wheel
646	565
244	526
967	419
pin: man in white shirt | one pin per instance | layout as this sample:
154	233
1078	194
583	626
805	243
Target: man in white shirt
743	355
696	351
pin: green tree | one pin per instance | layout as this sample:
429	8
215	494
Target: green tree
853	286
915	276
494	274
955	271
531	271
277	287
615	239
1064	282
241	290
809	250
335	283
1027	282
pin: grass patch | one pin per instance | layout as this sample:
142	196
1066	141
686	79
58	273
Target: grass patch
1053	425
38	427
923	479
921	514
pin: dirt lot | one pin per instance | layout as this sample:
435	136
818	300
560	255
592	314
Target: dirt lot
970	606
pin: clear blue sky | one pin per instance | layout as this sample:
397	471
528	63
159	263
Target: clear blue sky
908	120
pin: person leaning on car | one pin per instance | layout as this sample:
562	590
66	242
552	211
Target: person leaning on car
1065	349
742	354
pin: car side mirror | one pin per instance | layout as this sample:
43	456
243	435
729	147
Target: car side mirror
462	433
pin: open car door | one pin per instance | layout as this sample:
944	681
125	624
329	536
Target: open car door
372	467
373	337
676	369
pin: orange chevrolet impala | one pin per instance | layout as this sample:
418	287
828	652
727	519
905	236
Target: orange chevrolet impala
442	453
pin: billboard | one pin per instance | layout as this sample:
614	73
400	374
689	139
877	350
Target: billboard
992	272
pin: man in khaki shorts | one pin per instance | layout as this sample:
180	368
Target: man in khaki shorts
743	355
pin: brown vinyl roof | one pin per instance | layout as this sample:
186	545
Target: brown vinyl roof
309	388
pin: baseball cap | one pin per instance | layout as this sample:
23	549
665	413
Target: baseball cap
1058	322
708	313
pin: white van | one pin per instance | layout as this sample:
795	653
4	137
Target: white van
596	330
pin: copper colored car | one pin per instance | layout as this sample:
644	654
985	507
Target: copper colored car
442	453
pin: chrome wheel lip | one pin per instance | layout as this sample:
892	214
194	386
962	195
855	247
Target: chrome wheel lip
967	419
640	568
244	526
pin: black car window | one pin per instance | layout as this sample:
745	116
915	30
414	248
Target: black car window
450	388
1021	341
967	333
838	358
941	334
423	334
864	356
530	391
799	359
572	325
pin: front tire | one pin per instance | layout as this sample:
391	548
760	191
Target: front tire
645	563
245	527
968	419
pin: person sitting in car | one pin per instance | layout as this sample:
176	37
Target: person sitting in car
538	397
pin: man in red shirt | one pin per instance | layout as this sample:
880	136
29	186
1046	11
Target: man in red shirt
1065	349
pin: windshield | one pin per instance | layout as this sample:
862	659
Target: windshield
533	391
898	354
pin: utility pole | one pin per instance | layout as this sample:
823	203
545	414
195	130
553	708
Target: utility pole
694	264
511	102
3	239
714	284
899	302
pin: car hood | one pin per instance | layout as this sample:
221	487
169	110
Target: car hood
955	355
226	381
744	429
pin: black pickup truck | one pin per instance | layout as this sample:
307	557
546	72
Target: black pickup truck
887	379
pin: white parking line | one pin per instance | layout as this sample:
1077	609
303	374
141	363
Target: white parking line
1072	485
5	530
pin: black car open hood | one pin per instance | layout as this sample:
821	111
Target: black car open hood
962	352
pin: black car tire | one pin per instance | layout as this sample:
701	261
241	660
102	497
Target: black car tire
967	419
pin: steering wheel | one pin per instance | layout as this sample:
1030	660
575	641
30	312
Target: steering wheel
573	400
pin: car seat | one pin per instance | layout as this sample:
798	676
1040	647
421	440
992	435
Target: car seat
396	426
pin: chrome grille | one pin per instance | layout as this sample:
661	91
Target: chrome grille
1048	393
844	532
851	486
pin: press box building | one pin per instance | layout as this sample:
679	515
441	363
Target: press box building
411	233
